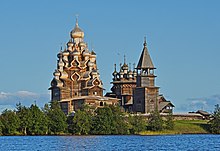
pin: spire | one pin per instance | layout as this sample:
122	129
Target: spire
115	72
115	67
61	48
124	59
145	61
145	43
77	25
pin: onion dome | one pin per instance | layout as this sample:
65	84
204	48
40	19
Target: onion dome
60	53
90	64
125	66
134	73
94	73
76	52
61	63
121	72
82	44
77	32
56	73
70	43
65	53
115	72
93	54
130	74
86	52
64	75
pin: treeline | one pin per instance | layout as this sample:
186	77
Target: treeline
33	120
103	121
52	121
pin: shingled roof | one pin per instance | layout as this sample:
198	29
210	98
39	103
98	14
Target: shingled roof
145	61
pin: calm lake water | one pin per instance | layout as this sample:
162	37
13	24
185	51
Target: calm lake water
110	143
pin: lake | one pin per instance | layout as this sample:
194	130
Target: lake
110	143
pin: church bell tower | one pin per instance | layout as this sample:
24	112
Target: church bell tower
146	93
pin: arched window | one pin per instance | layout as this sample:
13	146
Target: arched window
101	104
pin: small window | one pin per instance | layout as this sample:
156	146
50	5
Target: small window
101	104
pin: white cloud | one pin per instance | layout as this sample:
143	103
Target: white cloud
203	103
9	100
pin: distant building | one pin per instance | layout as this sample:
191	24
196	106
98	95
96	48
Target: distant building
136	89
76	80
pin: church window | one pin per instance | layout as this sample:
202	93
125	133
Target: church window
101	104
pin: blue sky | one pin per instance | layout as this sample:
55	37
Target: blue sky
183	40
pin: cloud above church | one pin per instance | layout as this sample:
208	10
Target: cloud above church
203	103
9	100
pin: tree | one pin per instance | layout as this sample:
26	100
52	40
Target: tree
24	115
56	118
81	123
155	122
1	126
39	124
137	124
103	121
215	121
120	126
10	122
169	121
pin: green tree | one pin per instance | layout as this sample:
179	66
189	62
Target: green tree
119	124
1	126
81	123
10	122
103	121
70	126
24	115
39	125
56	118
169	121
137	124
215	121
155	122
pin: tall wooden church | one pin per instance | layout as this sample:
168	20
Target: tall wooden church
76	80
136	89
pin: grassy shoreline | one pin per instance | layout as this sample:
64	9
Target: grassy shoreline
183	127
180	127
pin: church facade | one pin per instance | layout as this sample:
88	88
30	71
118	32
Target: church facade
76	80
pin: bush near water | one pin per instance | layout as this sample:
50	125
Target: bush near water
103	121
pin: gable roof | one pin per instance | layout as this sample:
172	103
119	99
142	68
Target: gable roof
162	105
203	113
